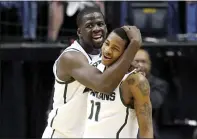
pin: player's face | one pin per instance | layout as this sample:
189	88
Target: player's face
142	58
112	49
93	29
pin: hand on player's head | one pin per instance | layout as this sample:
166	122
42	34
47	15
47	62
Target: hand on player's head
133	34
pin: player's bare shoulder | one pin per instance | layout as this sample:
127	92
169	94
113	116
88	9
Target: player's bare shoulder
67	62
138	81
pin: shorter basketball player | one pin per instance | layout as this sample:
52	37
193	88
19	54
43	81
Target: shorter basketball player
128	108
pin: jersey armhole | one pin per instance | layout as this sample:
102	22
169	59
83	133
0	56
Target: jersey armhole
55	74
131	106
55	67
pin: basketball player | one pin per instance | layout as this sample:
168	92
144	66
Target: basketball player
74	71
119	114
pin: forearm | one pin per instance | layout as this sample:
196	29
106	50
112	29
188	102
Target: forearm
148	133
145	122
144	114
114	74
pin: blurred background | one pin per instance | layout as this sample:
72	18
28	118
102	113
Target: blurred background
32	35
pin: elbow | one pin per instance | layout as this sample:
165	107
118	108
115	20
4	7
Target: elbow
105	85
106	88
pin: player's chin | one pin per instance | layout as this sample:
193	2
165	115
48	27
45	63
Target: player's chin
106	63
97	44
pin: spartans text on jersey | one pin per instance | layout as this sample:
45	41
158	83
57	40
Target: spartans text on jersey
102	96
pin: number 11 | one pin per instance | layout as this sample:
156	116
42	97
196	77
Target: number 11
98	107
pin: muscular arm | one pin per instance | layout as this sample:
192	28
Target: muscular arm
76	65
140	90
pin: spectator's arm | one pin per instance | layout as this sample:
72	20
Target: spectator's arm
158	91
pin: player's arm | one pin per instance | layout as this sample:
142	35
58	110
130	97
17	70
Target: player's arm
76	65
140	90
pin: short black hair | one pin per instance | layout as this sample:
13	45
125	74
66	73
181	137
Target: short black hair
120	32
85	11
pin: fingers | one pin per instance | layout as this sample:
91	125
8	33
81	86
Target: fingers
128	32
132	32
126	28
139	36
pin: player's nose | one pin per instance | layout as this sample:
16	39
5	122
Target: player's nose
141	64
96	29
108	51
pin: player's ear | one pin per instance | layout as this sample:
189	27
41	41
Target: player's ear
79	32
107	31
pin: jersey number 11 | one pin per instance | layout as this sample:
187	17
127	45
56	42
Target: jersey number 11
98	107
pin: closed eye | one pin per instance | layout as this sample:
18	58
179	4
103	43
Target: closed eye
107	43
116	48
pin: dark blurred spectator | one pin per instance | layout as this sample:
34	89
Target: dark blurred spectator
158	87
190	1
173	18
56	14
55	20
101	4
28	16
191	19
27	11
8	4
195	134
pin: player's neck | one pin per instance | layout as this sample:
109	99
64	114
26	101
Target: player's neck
89	49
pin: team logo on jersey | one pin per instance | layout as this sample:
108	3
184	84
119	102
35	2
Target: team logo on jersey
95	64
102	96
86	90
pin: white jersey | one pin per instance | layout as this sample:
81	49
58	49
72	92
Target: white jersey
108	117
69	103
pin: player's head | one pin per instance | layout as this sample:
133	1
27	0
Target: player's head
92	29
143	59
114	46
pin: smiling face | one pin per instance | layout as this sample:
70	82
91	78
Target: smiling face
92	29
112	49
143	59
